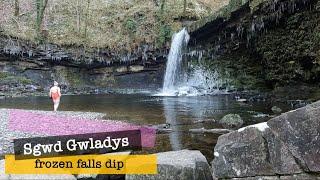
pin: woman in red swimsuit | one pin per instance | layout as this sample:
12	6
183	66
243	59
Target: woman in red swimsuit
55	94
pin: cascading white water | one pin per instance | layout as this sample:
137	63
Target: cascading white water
190	81
173	68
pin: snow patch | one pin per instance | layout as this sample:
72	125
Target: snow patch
238	172
216	154
261	127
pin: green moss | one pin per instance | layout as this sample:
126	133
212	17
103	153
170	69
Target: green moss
8	78
288	54
221	12
24	80
254	4
4	75
130	25
165	33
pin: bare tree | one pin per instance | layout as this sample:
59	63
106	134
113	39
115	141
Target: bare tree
78	9
41	7
163	2
86	20
16	8
184	7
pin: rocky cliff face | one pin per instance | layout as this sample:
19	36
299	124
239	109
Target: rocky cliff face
24	64
285	147
261	44
250	44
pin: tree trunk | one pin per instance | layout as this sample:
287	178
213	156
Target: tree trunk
78	16
163	2
86	20
184	7
16	8
44	6
41	6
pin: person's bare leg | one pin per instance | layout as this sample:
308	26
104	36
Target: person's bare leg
56	105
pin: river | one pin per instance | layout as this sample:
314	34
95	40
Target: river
182	113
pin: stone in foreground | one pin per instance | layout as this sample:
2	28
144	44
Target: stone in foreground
183	164
285	147
300	132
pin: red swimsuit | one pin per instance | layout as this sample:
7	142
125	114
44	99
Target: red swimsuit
55	95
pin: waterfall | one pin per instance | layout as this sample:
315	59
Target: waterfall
184	79
173	68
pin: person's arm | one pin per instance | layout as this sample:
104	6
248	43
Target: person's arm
59	91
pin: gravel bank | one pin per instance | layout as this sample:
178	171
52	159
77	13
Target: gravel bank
7	135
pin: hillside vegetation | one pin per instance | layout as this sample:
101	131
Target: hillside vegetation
121	24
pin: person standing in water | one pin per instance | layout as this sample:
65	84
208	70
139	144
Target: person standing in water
55	94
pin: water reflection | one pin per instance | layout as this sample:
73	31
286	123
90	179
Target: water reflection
183	113
170	114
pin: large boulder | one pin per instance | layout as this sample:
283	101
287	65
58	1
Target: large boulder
284	146
299	130
183	164
252	151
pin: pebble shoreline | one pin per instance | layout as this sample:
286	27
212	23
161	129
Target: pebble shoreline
7	135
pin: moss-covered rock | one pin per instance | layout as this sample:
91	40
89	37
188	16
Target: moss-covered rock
231	121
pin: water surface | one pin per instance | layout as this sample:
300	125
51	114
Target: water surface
182	113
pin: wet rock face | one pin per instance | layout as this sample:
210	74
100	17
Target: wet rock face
74	56
184	164
284	146
262	44
75	68
29	78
